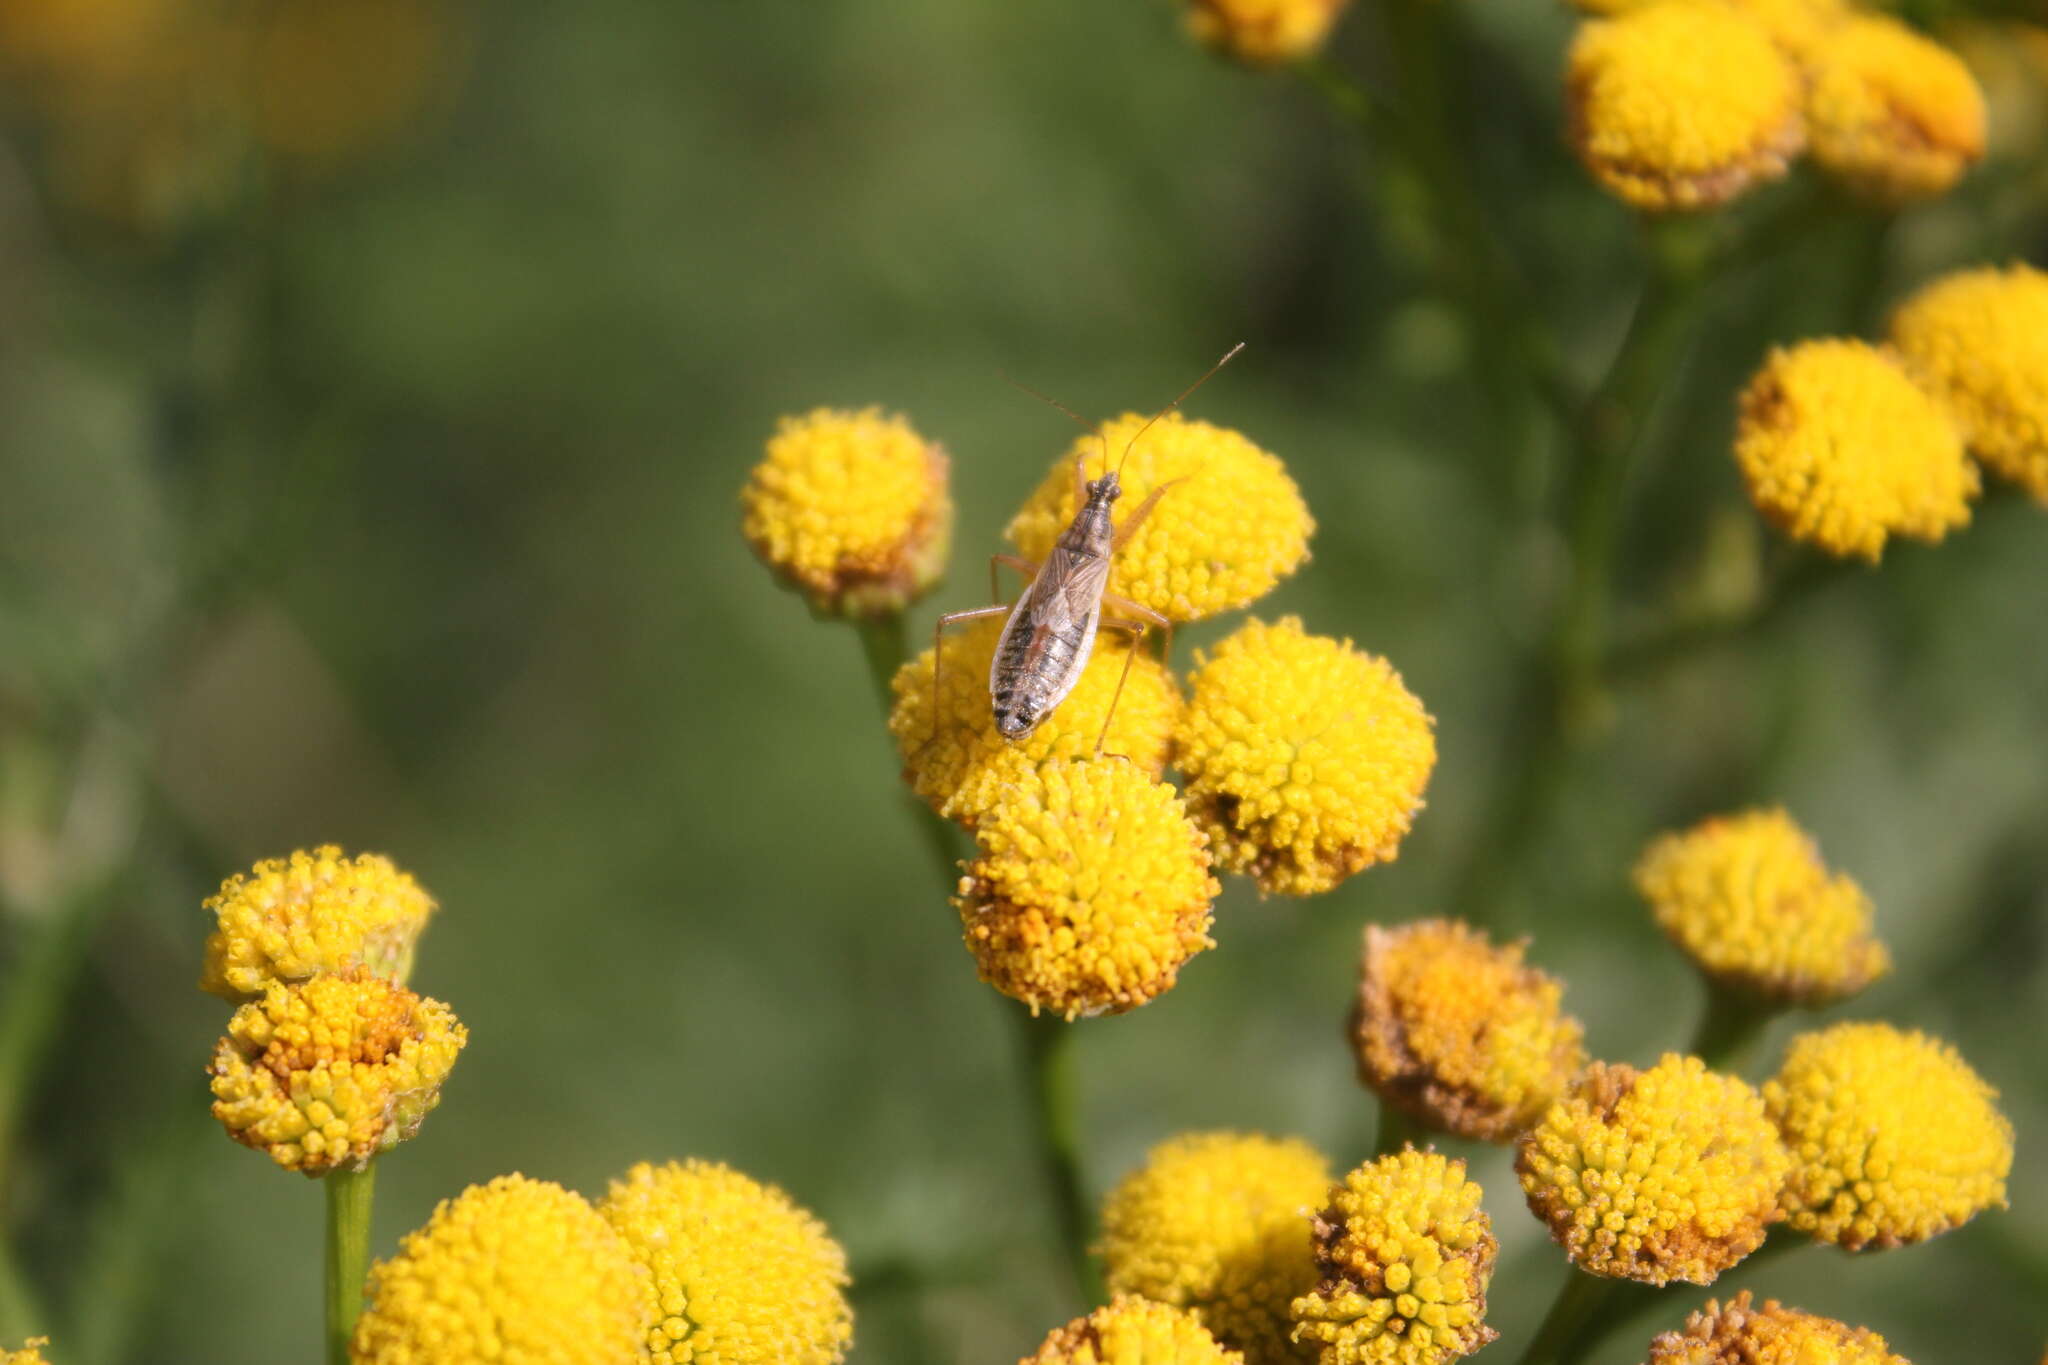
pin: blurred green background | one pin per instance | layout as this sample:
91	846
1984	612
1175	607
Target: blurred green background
370	437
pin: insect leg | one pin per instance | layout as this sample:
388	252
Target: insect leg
1144	509
1158	621
1137	630
1017	562
951	618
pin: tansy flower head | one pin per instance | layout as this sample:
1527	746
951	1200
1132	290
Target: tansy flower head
1740	1334
332	1071
1797	26
960	767
31	1353
1406	1254
1891	114
1305	758
1231	527
1133	1331
850	509
742	1275
1840	450
1217	1223
1747	898
291	918
1089	889
1978	341
1666	1174
1894	1138
1459	1033
1682	105
1264	32
514	1271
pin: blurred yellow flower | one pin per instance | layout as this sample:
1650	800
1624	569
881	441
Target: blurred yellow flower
1459	1033
1667	1174
1305	758
79	38
742	1275
1891	114
1133	1331
1797	26
1218	1224
1841	451
1978	340
31	1353
1894	1139
514	1271
1264	32
1738	1333
319	911
335	78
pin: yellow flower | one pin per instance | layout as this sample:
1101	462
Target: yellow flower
293	918
1264	32
1667	1174
516	1272
1133	1331
851	509
742	1275
1978	340
31	1353
1800	27
1406	1254
330	1072
332	79
1218	1224
1747	898
1741	1334
1841	451
1894	1138
1459	1033
1232	527
1089	890
960	769
1891	114
1305	759
1682	105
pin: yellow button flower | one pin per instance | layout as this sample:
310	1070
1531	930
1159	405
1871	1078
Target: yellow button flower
1090	888
1459	1033
1305	758
1978	340
959	766
1219	539
31	1353
1891	114
742	1275
516	1272
1667	1174
330	1072
1894	1138
1800	27
1747	898
1264	32
1841	451
1133	1331
1682	105
1218	1224
852	510
1406	1254
1739	1333
292	918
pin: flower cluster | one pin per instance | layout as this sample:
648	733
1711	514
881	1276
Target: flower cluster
1740	1333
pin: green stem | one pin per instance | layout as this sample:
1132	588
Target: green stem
349	1196
882	645
1730	1028
1646	656
35	999
1396	1131
1048	1054
1573	1324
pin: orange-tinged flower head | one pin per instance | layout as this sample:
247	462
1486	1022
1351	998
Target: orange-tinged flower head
1264	32
1891	114
292	918
1133	1331
1740	1333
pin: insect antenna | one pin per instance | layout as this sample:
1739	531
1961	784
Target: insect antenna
1092	428
1227	357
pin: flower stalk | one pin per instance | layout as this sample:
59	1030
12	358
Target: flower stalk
1730	1028
350	1194
1578	1317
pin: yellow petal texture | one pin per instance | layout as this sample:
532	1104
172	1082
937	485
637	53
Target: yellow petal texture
516	1272
1305	758
1667	1174
1089	889
1222	537
1978	341
330	1072
1406	1254
1133	1331
1218	1224
1840	450
31	1353
1740	1333
1459	1033
1800	27
315	911
1263	32
851	509
742	1275
1891	114
1749	900
1894	1139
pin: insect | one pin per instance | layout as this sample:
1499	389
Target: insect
1052	625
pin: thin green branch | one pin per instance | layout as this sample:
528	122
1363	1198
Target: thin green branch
1575	1322
350	1195
1731	1027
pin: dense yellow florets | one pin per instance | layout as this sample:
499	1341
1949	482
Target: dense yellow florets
1894	1138
1682	105
852	510
1840	450
962	771
516	1272
332	1071
1406	1254
1667	1174
1231	527
1089	889
1891	114
1305	758
1218	1224
1747	898
1738	1333
742	1275
1978	340
291	918
1133	1331
1264	32
31	1353
1797	26
1459	1033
